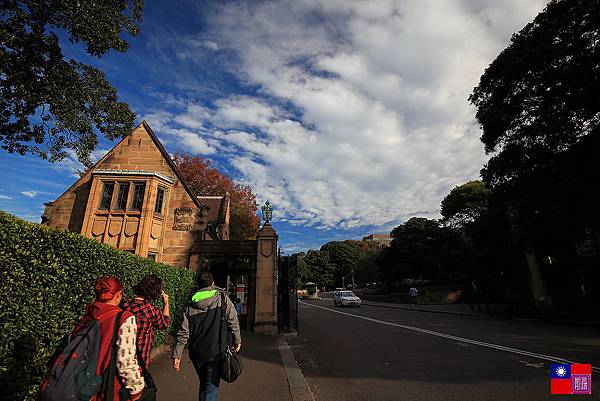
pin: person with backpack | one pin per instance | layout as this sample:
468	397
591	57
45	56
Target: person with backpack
148	316
99	360
201	327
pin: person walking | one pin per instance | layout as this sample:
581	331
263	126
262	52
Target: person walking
115	348
201	327
413	292
148	316
475	296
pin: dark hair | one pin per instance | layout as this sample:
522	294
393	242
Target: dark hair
150	287
205	279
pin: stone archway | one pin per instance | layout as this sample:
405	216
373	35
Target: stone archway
249	265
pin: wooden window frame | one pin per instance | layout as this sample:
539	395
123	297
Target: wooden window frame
162	200
134	184
112	195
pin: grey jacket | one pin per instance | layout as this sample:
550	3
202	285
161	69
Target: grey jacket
201	326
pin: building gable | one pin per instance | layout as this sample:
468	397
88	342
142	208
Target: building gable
135	199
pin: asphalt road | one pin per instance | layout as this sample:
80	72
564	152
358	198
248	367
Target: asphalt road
375	353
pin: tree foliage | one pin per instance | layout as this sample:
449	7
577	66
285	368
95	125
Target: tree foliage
204	180
335	261
540	95
538	104
49	105
315	266
465	204
343	255
422	248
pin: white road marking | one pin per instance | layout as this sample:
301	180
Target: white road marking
455	338
533	365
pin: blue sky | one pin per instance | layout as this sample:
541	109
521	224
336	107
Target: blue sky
350	117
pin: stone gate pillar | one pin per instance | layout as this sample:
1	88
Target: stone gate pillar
265	314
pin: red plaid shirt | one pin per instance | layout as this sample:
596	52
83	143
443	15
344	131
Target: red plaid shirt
148	317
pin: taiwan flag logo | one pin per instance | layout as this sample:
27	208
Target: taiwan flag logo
570	378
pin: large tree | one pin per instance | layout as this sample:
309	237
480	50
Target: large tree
205	180
423	248
541	95
49	105
538	104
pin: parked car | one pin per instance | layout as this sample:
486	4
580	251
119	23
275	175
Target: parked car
346	298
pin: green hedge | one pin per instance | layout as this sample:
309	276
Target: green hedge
47	278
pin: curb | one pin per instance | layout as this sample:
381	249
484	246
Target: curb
299	388
431	310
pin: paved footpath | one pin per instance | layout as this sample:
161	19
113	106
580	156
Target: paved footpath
263	377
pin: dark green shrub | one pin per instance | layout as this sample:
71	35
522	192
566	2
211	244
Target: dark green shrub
47	278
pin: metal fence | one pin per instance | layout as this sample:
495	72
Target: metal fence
287	295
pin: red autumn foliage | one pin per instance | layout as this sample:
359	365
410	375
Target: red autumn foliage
204	180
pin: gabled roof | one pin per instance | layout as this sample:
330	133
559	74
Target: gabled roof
162	151
166	155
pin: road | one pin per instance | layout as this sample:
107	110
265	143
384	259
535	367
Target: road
375	353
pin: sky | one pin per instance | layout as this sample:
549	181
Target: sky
350	117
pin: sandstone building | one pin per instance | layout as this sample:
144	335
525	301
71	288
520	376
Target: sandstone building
383	239
135	199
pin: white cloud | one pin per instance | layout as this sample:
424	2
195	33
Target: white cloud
30	194
72	165
361	114
4	197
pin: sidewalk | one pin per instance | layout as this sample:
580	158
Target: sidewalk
263	377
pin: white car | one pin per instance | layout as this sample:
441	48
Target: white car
346	298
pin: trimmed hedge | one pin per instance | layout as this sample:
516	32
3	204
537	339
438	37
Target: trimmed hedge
47	278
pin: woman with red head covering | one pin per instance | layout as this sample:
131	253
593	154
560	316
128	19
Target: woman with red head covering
109	293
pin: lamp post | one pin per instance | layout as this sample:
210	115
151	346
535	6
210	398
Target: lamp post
267	212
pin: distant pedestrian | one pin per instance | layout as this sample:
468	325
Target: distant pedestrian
148	316
238	306
201	327
475	296
413	292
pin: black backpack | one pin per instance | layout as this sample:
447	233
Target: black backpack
72	376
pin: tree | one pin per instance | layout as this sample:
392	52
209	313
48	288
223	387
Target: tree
343	255
204	180
538	107
368	265
319	268
49	105
539	97
465	204
423	248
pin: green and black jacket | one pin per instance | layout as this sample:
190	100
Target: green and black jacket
202	322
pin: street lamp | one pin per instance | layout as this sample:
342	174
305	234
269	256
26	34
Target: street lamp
267	212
